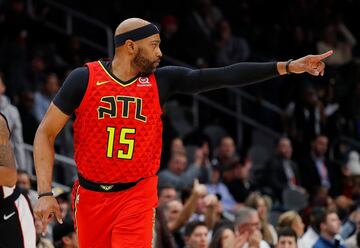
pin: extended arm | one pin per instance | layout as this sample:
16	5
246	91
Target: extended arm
176	79
7	162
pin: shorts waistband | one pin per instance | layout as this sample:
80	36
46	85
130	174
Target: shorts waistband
105	187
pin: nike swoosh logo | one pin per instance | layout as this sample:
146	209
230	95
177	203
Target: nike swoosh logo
6	217
102	82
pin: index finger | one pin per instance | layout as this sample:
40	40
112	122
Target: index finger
324	55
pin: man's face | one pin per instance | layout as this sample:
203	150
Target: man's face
252	225
285	148
173	210
148	55
321	145
198	238
332	224
286	242
227	147
178	164
167	195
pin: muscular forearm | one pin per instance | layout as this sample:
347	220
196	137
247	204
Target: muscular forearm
44	159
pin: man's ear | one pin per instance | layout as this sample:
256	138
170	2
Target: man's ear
131	46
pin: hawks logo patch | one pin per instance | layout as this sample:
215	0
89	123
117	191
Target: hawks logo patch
106	187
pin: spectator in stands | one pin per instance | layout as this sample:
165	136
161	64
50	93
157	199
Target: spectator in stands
216	186
196	235
342	46
26	110
41	242
225	237
329	228
201	27
292	220
287	239
177	174
44	97
259	202
281	172
200	145
229	48
24	182
237	179
177	146
351	242
248	219
37	72
166	194
225	152
172	211
318	171
65	236
305	119
13	117
353	110
170	39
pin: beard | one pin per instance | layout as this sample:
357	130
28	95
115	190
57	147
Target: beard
144	64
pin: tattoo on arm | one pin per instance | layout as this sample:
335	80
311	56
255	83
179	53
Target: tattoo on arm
6	152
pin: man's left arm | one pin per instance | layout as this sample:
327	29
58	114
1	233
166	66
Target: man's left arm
8	174
173	79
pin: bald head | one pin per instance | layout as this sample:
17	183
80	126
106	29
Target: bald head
130	24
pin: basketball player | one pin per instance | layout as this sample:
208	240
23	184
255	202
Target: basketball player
117	132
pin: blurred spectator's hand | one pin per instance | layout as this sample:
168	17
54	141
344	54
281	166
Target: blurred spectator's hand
241	238
254	239
199	189
210	200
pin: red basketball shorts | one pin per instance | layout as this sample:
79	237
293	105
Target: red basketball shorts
121	219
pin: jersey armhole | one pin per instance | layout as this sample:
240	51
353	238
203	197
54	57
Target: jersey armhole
156	91
88	88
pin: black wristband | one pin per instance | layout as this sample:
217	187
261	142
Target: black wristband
287	66
45	194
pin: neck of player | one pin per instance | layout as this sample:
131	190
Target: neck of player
123	68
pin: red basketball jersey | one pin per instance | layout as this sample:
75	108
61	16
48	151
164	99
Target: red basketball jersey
118	128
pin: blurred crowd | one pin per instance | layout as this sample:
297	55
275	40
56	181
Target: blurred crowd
213	192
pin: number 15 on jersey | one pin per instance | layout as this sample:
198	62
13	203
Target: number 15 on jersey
130	142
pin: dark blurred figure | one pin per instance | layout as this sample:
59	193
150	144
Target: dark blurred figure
65	236
281	171
305	120
170	40
229	48
44	97
318	171
26	110
200	30
237	179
